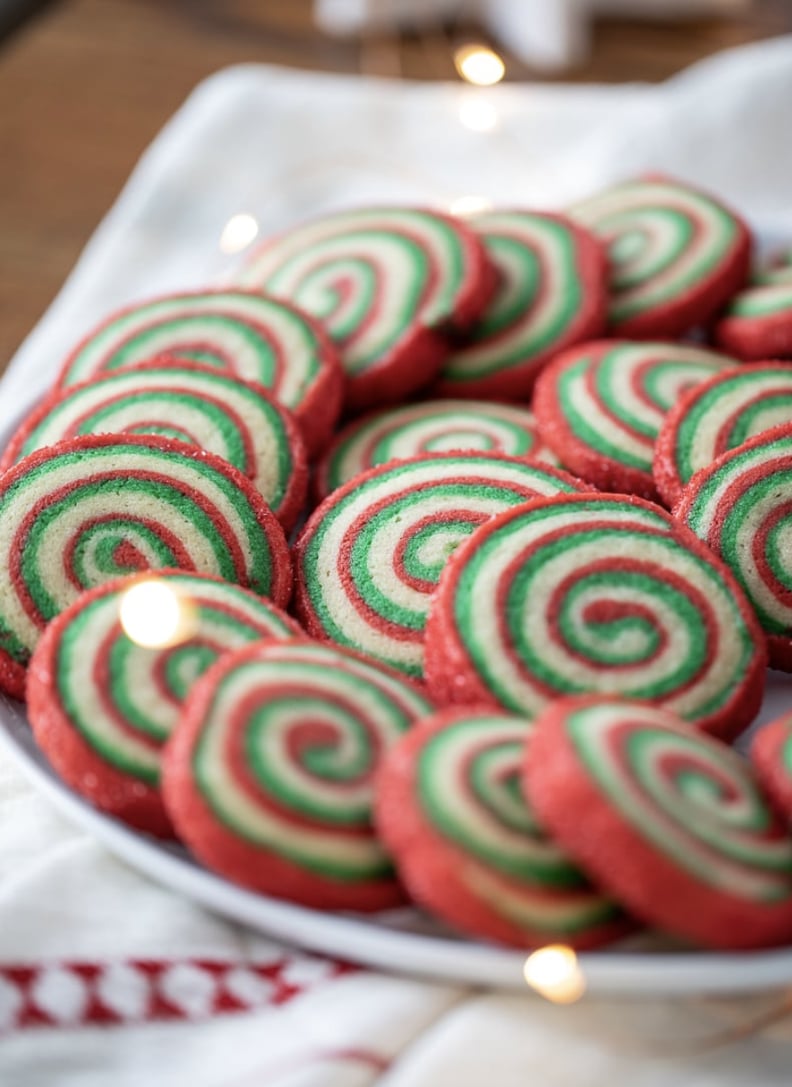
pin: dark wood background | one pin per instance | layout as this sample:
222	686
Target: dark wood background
86	84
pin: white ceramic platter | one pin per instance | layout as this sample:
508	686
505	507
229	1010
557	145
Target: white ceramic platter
403	940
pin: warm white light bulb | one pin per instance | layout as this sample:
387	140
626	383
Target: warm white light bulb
555	974
479	64
238	233
154	616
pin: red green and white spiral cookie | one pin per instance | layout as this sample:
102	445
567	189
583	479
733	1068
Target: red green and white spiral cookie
757	323
771	755
236	420
87	510
600	406
269	775
387	284
369	558
677	255
587	593
672	822
241	332
102	705
741	507
467	846
434	426
717	416
552	293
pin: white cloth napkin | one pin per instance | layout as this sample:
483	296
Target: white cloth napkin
106	978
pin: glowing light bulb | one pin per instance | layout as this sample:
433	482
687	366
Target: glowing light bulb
554	973
478	114
238	233
479	64
154	616
471	204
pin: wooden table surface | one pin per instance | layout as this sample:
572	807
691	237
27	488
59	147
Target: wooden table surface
86	84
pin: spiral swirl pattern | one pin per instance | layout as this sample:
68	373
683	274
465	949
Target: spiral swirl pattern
269	777
676	254
717	416
583	594
102	706
87	510
370	556
377	279
235	420
467	846
551	294
741	507
600	406
434	426
686	838
241	332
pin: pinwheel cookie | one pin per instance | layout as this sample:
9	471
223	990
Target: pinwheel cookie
269	776
672	822
594	593
388	284
87	510
552	293
716	416
600	406
677	255
103	701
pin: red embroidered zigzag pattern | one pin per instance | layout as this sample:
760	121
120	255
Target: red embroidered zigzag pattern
73	994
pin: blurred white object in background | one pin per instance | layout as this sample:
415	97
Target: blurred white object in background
547	34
